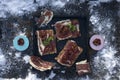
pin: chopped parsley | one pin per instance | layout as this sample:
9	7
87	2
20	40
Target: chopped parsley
47	41
72	27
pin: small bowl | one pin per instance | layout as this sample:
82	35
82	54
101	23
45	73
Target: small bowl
20	43
96	42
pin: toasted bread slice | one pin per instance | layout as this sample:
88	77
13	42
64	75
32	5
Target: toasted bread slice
69	54
40	64
46	42
67	29
83	67
45	18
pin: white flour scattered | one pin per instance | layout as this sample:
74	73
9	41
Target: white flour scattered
12	47
46	79
58	3
2	59
26	58
106	58
105	61
119	11
85	78
18	54
118	0
15	7
42	2
105	0
30	76
19	7
20	33
10	53
51	75
62	71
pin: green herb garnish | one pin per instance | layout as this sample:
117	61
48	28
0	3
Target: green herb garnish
48	40
72	27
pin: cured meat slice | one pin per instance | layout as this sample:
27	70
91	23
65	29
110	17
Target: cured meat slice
46	42
83	67
40	64
69	54
45	17
67	29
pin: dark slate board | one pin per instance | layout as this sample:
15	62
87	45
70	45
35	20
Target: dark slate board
82	41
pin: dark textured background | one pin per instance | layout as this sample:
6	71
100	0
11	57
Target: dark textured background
16	67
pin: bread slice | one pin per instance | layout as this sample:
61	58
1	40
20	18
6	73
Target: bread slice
67	29
46	47
69	54
83	67
40	64
45	18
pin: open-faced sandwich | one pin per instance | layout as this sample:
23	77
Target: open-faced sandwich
83	67
40	64
46	42
45	18
67	29
69	53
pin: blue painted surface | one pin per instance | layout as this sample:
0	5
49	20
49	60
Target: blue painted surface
19	47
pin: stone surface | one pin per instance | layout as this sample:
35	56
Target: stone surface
104	19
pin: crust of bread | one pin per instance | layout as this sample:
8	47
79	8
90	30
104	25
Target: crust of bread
39	42
64	38
82	62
